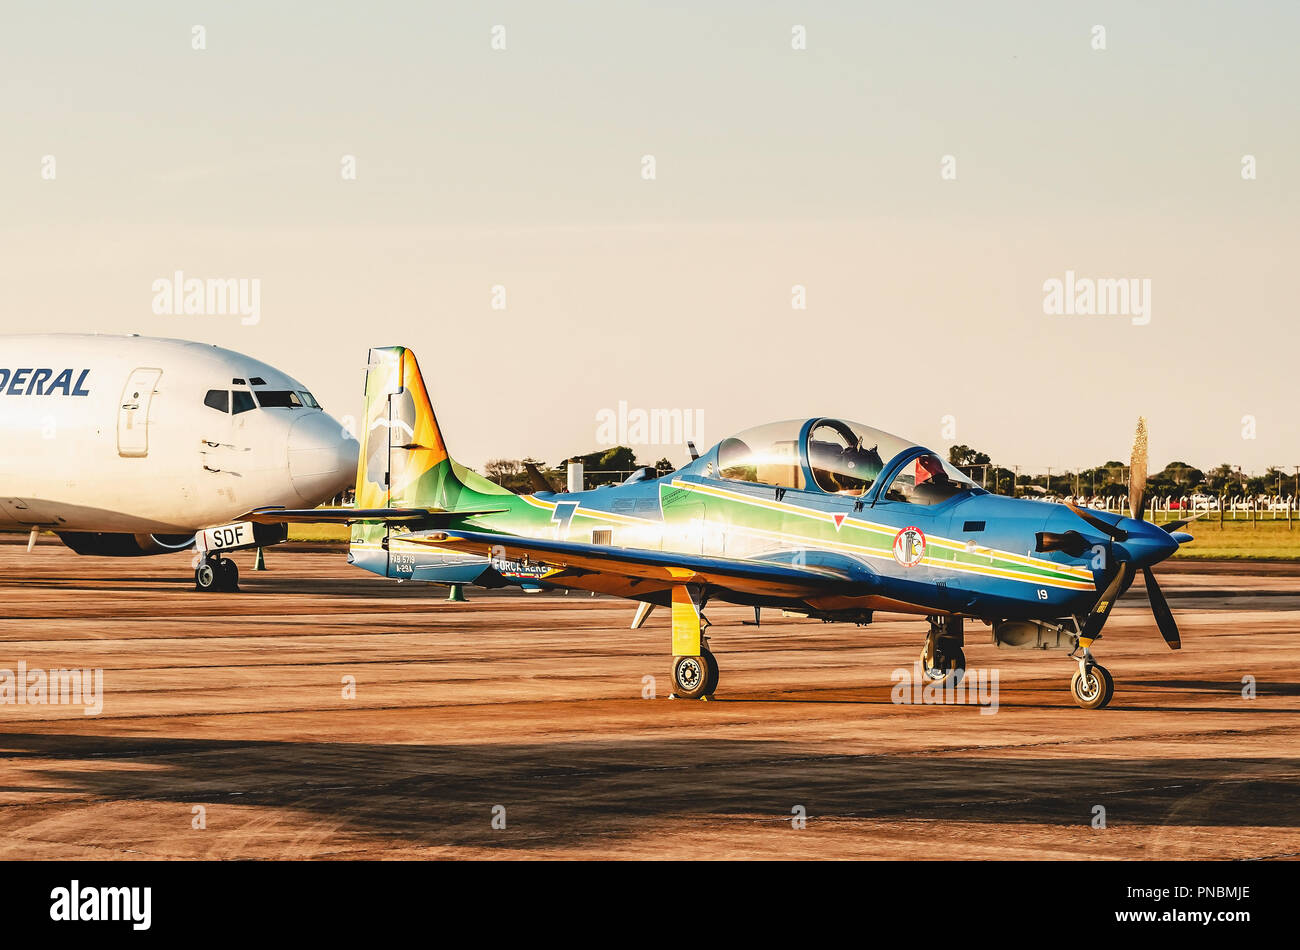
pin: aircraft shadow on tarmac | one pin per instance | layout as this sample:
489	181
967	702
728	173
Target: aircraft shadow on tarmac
1228	686
580	793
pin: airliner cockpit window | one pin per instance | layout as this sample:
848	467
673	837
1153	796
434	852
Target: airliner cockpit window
242	401
308	399
846	458
768	455
218	399
278	399
927	480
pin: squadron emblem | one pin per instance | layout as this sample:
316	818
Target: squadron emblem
909	546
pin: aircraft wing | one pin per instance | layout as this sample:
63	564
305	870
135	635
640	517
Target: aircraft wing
630	572
273	515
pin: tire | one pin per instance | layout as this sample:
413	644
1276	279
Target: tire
946	662
1096	691
690	677
206	577
711	680
229	574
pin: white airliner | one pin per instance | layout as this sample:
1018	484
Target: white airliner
126	445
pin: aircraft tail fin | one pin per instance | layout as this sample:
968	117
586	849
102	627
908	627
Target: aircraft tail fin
404	461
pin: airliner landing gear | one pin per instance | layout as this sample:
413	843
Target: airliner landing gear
216	573
942	656
1091	685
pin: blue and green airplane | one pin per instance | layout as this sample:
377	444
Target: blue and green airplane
820	517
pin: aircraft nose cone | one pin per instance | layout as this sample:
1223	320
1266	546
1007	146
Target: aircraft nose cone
322	457
1147	543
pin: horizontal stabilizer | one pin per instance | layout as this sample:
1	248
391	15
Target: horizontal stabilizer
343	515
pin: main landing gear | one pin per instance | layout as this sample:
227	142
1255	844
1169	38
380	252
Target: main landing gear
695	677
216	573
695	669
942	657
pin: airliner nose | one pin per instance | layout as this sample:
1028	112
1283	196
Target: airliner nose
322	457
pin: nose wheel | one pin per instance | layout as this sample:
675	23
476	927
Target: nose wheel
1092	686
216	573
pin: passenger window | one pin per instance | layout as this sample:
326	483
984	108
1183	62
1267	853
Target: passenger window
243	401
926	480
218	399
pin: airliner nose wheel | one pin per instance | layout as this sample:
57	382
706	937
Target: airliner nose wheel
216	574
695	677
229	572
206	577
1092	686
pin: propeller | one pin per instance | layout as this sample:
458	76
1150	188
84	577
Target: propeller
1105	527
1160	607
1125	568
1137	472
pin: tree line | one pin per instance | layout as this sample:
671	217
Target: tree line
1111	478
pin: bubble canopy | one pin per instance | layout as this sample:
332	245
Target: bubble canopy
836	456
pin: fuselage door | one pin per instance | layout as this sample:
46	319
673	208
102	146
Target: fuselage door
133	414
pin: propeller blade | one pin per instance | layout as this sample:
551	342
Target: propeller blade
1160	607
1172	526
1119	534
1101	609
1137	472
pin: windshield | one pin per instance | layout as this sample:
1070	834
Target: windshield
278	399
927	480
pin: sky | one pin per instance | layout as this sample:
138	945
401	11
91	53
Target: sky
775	167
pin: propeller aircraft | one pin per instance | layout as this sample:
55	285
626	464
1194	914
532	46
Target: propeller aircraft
821	518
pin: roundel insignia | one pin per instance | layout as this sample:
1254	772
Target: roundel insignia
909	546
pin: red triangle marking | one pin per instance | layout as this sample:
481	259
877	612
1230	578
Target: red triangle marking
839	520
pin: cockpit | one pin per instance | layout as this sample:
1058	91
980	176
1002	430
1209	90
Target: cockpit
254	393
837	457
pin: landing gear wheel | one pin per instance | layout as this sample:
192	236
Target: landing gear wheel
948	661
690	677
1094	689
206	577
228	572
711	678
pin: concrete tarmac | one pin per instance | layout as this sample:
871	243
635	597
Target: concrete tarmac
228	728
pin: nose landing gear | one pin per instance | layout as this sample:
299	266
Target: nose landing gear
1092	685
216	573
